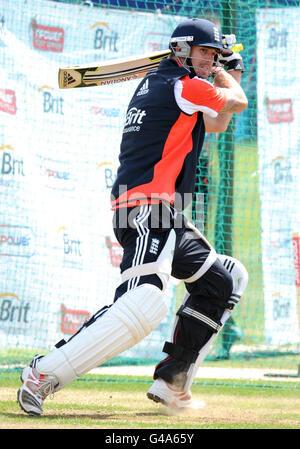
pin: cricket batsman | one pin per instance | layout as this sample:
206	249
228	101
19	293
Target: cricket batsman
166	121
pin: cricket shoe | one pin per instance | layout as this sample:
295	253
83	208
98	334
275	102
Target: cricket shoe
36	387
167	394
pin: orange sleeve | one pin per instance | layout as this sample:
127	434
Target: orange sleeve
202	93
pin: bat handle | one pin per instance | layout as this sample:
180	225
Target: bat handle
237	48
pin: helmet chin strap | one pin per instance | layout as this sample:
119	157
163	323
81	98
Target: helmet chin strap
187	64
190	66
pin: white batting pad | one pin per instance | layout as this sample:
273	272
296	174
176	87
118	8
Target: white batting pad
130	319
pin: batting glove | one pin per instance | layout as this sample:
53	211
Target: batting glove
233	61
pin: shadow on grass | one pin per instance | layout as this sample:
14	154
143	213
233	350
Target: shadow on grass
47	415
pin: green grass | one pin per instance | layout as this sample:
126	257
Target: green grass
120	403
287	360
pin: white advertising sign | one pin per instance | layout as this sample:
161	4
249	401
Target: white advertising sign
278	121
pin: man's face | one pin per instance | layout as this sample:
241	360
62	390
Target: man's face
202	60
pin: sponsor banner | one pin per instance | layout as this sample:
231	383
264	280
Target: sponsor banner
16	241
13	309
47	38
23	322
57	171
15	318
8	102
12	166
278	115
296	247
72	319
296	250
279	111
115	252
77	34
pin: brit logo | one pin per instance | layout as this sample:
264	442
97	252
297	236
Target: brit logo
144	89
51	103
105	39
134	118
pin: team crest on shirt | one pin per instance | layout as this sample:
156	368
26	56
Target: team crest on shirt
154	246
144	89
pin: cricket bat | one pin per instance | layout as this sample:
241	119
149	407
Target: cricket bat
110	72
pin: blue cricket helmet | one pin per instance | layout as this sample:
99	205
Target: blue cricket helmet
200	32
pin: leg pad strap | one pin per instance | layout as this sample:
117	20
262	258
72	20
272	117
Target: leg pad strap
196	315
180	353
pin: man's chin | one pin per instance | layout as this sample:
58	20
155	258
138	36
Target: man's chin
203	76
202	73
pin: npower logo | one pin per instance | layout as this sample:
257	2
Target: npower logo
47	38
16	241
105	38
106	112
13	309
57	175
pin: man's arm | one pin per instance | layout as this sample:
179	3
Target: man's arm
236	100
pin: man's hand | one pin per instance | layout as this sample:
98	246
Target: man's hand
234	61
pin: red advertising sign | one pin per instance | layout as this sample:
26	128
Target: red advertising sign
296	251
72	320
115	252
48	38
279	111
8	101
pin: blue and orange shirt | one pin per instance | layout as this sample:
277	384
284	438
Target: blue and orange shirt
163	136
